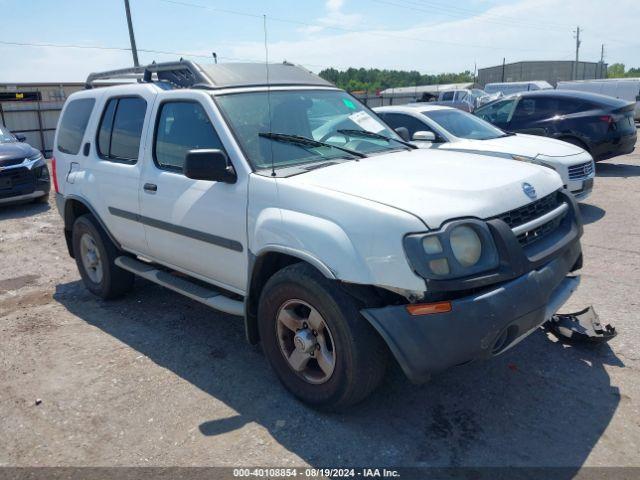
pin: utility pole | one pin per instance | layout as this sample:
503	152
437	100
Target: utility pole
602	61
503	60
575	67
132	38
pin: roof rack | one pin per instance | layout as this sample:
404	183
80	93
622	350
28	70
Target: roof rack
181	74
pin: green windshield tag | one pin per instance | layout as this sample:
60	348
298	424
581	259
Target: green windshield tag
349	103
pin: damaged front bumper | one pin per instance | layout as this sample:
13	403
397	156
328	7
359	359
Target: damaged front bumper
478	326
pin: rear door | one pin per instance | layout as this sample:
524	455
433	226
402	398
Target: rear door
534	115
116	153
195	226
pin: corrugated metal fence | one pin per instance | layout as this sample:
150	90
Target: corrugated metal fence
35	120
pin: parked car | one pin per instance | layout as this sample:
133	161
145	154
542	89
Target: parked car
288	202
464	99
23	171
509	88
623	88
603	126
446	128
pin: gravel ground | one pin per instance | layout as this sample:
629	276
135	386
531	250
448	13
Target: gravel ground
157	379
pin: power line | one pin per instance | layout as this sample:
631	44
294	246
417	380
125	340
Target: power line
481	16
338	28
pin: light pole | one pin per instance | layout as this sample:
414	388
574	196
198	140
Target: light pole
132	38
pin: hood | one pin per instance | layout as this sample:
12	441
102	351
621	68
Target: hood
436	186
522	144
16	150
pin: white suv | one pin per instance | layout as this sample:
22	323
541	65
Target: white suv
291	204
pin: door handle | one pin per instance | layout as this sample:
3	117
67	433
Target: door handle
150	187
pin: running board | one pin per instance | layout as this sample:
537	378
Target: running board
209	296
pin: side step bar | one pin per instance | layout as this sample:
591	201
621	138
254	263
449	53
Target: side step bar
209	296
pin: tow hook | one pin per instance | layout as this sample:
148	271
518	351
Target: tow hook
583	326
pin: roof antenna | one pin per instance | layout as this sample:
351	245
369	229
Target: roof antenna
266	64
215	57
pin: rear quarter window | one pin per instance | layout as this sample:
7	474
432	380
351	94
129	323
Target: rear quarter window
73	125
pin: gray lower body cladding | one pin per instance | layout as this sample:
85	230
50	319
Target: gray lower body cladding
478	326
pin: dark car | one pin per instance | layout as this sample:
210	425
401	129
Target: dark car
23	172
601	125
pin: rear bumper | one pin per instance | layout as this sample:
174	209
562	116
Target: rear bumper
478	326
614	147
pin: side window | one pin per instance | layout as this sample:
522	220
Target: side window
447	96
182	126
537	108
570	105
73	124
120	129
412	124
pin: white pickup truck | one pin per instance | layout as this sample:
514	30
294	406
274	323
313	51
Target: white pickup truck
284	200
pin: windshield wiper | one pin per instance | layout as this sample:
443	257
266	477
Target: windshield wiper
366	133
308	142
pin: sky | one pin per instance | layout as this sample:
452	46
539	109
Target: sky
39	39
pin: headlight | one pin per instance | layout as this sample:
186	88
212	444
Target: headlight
461	248
466	245
37	156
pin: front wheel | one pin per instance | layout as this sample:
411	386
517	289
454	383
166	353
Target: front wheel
321	348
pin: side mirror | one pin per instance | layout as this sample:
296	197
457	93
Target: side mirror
209	164
403	132
20	137
424	136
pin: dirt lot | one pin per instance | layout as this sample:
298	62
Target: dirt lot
157	379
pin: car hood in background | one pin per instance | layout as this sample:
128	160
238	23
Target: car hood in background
436	186
15	150
521	144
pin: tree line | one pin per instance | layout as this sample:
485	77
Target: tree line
617	70
374	79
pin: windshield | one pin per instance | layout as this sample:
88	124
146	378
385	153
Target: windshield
326	116
499	111
464	125
6	136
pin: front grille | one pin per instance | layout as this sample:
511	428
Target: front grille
18	177
543	230
531	211
10	163
581	170
517	217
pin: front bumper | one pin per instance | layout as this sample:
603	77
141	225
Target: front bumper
20	184
478	326
490	313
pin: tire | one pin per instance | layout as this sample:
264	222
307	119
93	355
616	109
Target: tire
359	354
110	281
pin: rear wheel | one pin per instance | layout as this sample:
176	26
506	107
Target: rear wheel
321	348
95	256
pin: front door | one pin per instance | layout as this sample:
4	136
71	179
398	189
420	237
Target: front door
196	226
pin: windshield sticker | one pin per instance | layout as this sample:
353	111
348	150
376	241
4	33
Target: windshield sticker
366	122
349	103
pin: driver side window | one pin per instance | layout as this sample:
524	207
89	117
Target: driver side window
396	120
182	126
